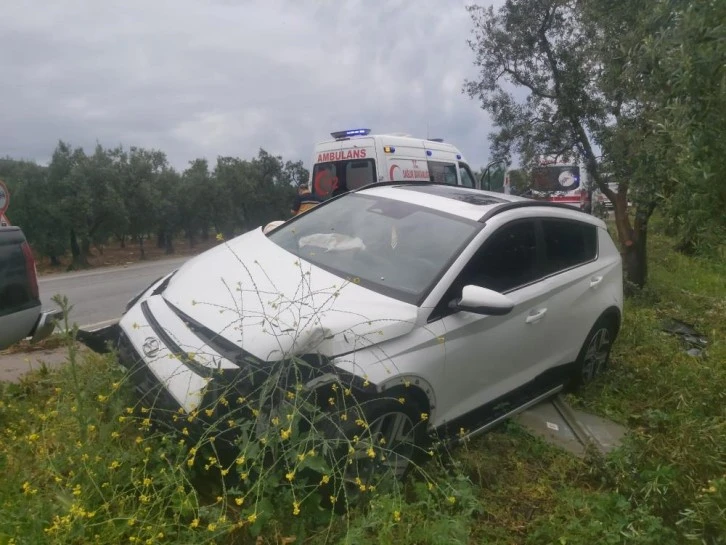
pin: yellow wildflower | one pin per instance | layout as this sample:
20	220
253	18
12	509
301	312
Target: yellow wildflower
397	516
290	476
295	508
239	501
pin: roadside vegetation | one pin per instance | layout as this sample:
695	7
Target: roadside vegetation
83	463
135	204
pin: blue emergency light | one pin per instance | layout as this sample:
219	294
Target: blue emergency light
350	132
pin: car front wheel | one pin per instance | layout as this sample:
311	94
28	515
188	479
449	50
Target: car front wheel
378	439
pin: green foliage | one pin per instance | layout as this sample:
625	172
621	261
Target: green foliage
80	200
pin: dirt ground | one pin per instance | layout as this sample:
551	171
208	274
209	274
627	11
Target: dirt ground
114	255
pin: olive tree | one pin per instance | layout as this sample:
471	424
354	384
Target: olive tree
540	79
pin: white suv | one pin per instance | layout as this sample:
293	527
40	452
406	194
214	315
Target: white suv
470	305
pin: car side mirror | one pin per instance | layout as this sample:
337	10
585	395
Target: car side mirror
482	301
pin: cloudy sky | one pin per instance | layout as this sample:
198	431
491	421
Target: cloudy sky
202	78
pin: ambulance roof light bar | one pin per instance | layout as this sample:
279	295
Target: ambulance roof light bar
342	135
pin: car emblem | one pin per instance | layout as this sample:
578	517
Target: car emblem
150	347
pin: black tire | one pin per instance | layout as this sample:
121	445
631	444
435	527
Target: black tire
404	435
594	356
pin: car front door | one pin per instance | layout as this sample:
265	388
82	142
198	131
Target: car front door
489	356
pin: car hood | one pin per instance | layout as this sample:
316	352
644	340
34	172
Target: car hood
273	304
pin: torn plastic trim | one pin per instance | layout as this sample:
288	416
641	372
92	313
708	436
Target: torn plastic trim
173	347
220	344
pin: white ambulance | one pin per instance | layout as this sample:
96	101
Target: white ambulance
355	158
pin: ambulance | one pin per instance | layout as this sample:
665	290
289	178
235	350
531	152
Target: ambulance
355	158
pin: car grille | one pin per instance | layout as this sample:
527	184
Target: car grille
151	391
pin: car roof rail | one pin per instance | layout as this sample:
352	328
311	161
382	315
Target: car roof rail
513	205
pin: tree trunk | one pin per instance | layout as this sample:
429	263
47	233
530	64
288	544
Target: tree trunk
169	245
160	238
86	246
205	234
141	247
54	261
122	239
80	259
633	239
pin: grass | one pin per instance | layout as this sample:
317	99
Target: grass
80	468
49	343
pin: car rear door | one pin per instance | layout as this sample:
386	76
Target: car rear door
573	279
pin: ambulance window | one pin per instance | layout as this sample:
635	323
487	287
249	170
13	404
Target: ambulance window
443	173
467	180
359	174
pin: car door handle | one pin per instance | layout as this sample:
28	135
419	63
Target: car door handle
536	316
595	281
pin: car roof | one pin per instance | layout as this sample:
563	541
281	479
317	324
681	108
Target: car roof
473	204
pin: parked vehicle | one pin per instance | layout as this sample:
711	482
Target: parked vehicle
355	158
550	181
21	315
473	305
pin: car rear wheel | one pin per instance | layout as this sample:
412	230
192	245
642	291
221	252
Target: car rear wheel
595	353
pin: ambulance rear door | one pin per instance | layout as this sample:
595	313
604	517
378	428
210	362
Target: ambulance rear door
343	165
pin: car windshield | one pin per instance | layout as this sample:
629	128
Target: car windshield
392	247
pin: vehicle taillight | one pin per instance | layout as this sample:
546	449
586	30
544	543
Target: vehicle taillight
31	271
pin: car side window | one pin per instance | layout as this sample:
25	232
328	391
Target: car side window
567	244
508	259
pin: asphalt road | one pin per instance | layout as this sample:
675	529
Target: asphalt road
100	296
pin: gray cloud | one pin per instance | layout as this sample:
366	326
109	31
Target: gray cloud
205	78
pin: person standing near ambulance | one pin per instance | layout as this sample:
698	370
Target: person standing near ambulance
304	200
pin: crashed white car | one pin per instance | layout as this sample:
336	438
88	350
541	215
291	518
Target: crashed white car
476	305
